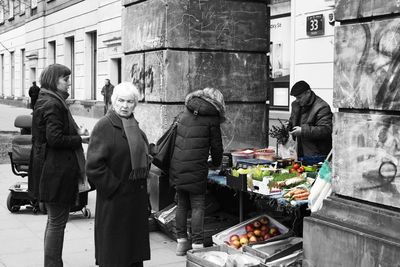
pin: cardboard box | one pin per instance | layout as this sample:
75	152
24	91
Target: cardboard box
239	229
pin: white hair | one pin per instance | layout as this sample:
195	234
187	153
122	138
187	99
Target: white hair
123	88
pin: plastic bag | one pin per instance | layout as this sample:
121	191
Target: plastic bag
322	186
288	150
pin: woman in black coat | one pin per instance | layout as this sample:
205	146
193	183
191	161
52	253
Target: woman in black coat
118	165
198	135
57	160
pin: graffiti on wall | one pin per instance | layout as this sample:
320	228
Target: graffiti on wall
367	65
367	157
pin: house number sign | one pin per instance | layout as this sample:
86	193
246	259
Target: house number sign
315	25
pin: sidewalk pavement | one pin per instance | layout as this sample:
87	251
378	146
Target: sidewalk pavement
21	233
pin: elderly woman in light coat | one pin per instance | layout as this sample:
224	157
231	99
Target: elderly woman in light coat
118	166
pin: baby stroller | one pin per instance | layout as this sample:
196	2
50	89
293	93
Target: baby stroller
21	146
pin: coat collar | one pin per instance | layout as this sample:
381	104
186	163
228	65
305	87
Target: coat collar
115	119
117	122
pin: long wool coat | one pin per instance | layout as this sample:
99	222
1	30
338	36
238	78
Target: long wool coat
197	136
121	222
54	169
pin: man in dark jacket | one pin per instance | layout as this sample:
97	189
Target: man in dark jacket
34	94
107	91
198	135
310	123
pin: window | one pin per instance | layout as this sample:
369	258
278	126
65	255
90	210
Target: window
1	14
11	9
70	61
2	74
23	65
51	53
12	69
279	93
93	63
22	7
33	4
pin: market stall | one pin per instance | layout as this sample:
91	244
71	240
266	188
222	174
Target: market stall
263	203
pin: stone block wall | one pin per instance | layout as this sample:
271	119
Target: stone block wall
172	48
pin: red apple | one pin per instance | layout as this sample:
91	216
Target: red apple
256	224
257	232
250	234
273	231
253	239
267	236
264	228
243	236
264	220
244	241
263	232
260	238
235	244
233	238
249	228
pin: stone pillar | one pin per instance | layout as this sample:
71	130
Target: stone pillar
173	47
359	226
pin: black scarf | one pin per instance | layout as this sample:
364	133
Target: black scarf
138	148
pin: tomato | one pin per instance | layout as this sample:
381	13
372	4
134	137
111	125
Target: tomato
296	166
293	170
300	169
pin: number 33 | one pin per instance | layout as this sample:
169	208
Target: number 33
313	24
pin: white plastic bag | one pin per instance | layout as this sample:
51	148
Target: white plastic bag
322	186
288	150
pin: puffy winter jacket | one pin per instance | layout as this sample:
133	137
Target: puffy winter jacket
198	134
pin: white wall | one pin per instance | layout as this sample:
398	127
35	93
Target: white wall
312	57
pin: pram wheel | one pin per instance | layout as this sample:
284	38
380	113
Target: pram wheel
12	205
86	213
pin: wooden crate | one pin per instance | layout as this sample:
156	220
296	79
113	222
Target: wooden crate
366	65
169	75
366	157
210	24
346	9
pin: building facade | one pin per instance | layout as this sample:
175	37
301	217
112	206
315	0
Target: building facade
83	35
86	36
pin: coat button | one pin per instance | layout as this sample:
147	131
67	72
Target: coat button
142	186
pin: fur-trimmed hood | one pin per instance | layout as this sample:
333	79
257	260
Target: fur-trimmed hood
209	95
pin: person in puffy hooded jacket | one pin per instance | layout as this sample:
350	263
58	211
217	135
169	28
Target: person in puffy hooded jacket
198	136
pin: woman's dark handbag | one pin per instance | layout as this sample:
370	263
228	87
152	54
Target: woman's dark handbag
165	147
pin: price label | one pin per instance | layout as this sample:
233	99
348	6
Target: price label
315	25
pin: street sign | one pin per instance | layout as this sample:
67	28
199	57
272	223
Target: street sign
315	25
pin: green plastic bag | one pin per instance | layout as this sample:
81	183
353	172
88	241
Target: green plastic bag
325	172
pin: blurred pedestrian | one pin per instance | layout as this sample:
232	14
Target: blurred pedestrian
118	164
34	94
107	91
57	159
198	134
310	123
